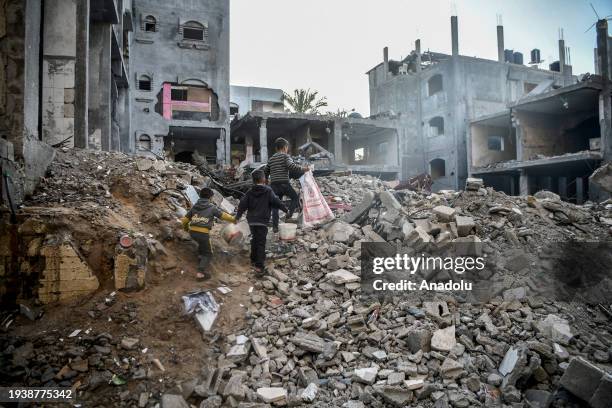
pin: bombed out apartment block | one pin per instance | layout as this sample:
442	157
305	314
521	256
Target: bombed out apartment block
434	96
550	139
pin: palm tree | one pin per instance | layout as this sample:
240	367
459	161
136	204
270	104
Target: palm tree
304	101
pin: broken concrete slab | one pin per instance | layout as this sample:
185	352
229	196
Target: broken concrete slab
342	276
360	209
389	201
444	213
603	394
465	225
582	378
509	361
444	339
310	393
271	395
309	342
556	328
365	375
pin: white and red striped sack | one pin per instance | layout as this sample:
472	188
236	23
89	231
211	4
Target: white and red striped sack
315	210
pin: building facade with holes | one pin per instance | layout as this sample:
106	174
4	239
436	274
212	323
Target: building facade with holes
179	64
434	96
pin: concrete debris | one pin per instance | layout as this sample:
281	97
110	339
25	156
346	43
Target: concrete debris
365	375
444	339
306	333
556	328
342	276
473	184
310	393
272	394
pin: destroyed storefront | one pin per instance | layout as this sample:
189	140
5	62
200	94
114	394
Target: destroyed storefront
364	146
545	142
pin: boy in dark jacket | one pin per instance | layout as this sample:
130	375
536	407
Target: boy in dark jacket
258	202
277	169
199	220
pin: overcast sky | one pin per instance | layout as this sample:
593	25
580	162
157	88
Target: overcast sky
328	45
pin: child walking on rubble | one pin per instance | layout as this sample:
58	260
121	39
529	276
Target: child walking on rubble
198	221
278	168
258	203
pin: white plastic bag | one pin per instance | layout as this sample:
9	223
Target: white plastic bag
315	208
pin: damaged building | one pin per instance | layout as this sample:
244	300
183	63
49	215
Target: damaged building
434	95
180	71
551	139
369	146
63	82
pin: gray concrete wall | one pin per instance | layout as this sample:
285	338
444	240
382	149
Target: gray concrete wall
162	55
481	155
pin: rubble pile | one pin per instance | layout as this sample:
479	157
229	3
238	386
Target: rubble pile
311	336
315	338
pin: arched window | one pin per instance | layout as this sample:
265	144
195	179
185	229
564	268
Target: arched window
437	126
192	30
437	168
144	83
435	84
144	143
150	24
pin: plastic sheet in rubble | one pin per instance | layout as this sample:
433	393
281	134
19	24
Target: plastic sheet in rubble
204	307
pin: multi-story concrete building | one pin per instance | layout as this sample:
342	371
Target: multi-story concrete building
434	95
63	82
552	139
180	78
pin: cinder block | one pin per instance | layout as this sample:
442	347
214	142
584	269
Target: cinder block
465	225
582	378
603	394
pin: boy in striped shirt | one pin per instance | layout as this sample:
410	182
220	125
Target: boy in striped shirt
277	170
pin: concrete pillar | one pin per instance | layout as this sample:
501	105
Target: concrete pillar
248	148
512	185
417	48
385	62
500	43
562	57
81	74
523	183
338	141
519	139
562	187
228	145
579	190
123	113
546	183
605	104
455	35
263	140
100	77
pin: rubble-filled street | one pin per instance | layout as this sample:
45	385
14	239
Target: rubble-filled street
102	236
